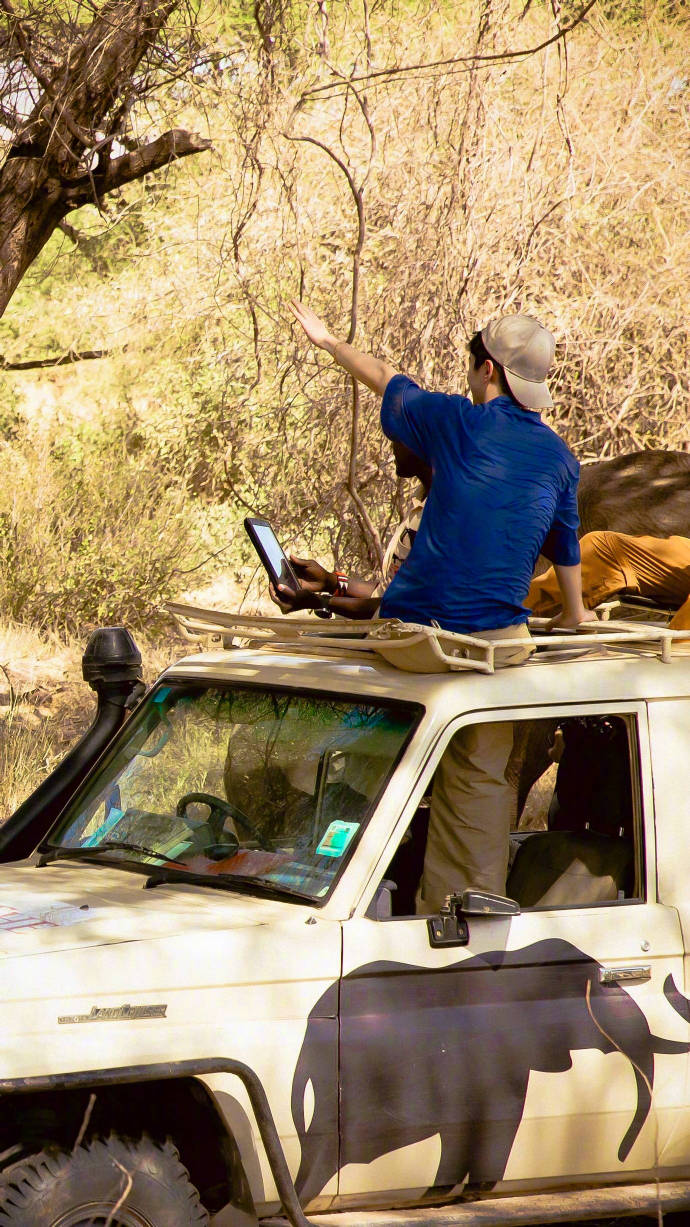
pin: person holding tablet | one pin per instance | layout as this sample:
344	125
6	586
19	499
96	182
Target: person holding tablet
349	596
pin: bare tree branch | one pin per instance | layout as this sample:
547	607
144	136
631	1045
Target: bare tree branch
507	56
169	147
72	355
357	192
23	37
359	205
75	236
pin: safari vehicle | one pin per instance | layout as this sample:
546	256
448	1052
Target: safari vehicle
219	1006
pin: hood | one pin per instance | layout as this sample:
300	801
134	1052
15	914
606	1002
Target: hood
106	973
66	906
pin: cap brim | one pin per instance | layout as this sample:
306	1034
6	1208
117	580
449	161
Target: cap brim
527	393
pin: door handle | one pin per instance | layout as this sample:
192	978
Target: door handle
624	975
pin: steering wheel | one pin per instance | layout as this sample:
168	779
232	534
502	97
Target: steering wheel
219	811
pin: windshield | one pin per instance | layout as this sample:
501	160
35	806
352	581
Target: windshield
268	786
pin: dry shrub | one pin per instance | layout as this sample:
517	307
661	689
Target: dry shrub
27	754
42	709
45	706
88	534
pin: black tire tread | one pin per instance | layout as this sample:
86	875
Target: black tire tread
29	1176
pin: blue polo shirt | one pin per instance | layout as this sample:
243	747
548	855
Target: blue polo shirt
504	490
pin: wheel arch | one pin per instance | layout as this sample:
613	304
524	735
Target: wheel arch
182	1109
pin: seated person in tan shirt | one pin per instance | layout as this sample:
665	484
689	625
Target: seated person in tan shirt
655	567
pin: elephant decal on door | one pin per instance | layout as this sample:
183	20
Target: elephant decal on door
450	1050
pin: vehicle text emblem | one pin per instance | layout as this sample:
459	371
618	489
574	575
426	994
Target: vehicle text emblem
116	1013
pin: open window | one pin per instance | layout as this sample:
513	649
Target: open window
577	831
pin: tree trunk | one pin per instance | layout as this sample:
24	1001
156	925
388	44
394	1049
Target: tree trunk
60	158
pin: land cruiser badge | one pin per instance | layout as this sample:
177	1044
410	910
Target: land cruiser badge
116	1013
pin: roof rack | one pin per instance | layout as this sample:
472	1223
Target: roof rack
412	647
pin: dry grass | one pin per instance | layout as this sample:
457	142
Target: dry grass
42	709
45	706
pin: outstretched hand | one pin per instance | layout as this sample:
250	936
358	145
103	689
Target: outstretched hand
314	327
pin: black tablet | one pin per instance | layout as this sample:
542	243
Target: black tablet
271	552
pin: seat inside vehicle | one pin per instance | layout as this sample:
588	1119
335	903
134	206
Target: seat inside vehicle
586	855
570	869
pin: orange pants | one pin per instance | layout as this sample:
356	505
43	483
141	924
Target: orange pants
656	567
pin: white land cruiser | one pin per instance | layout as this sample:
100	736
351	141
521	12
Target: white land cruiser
219	1006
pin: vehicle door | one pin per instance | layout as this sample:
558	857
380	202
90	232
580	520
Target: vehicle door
549	1047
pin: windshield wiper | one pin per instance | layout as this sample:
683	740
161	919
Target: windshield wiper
234	881
108	845
178	873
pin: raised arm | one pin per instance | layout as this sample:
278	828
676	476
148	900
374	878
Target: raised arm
373	372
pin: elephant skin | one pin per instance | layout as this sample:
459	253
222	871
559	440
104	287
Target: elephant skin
642	493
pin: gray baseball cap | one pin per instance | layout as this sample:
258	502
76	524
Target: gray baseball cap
525	350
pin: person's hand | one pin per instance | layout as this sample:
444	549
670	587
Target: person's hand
570	621
278	600
315	328
312	575
290	601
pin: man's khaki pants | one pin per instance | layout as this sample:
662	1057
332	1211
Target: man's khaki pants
472	804
656	567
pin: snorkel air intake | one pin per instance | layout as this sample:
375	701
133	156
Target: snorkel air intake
111	664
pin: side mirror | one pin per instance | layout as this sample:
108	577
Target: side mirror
482	903
450	927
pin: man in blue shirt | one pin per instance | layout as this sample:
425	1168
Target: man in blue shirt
504	489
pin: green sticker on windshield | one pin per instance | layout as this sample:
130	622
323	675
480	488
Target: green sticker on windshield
337	838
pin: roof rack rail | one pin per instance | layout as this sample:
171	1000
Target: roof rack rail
410	646
636	609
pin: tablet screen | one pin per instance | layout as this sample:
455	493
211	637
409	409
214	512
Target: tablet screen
274	554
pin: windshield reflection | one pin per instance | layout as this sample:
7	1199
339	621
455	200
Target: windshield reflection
266	785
